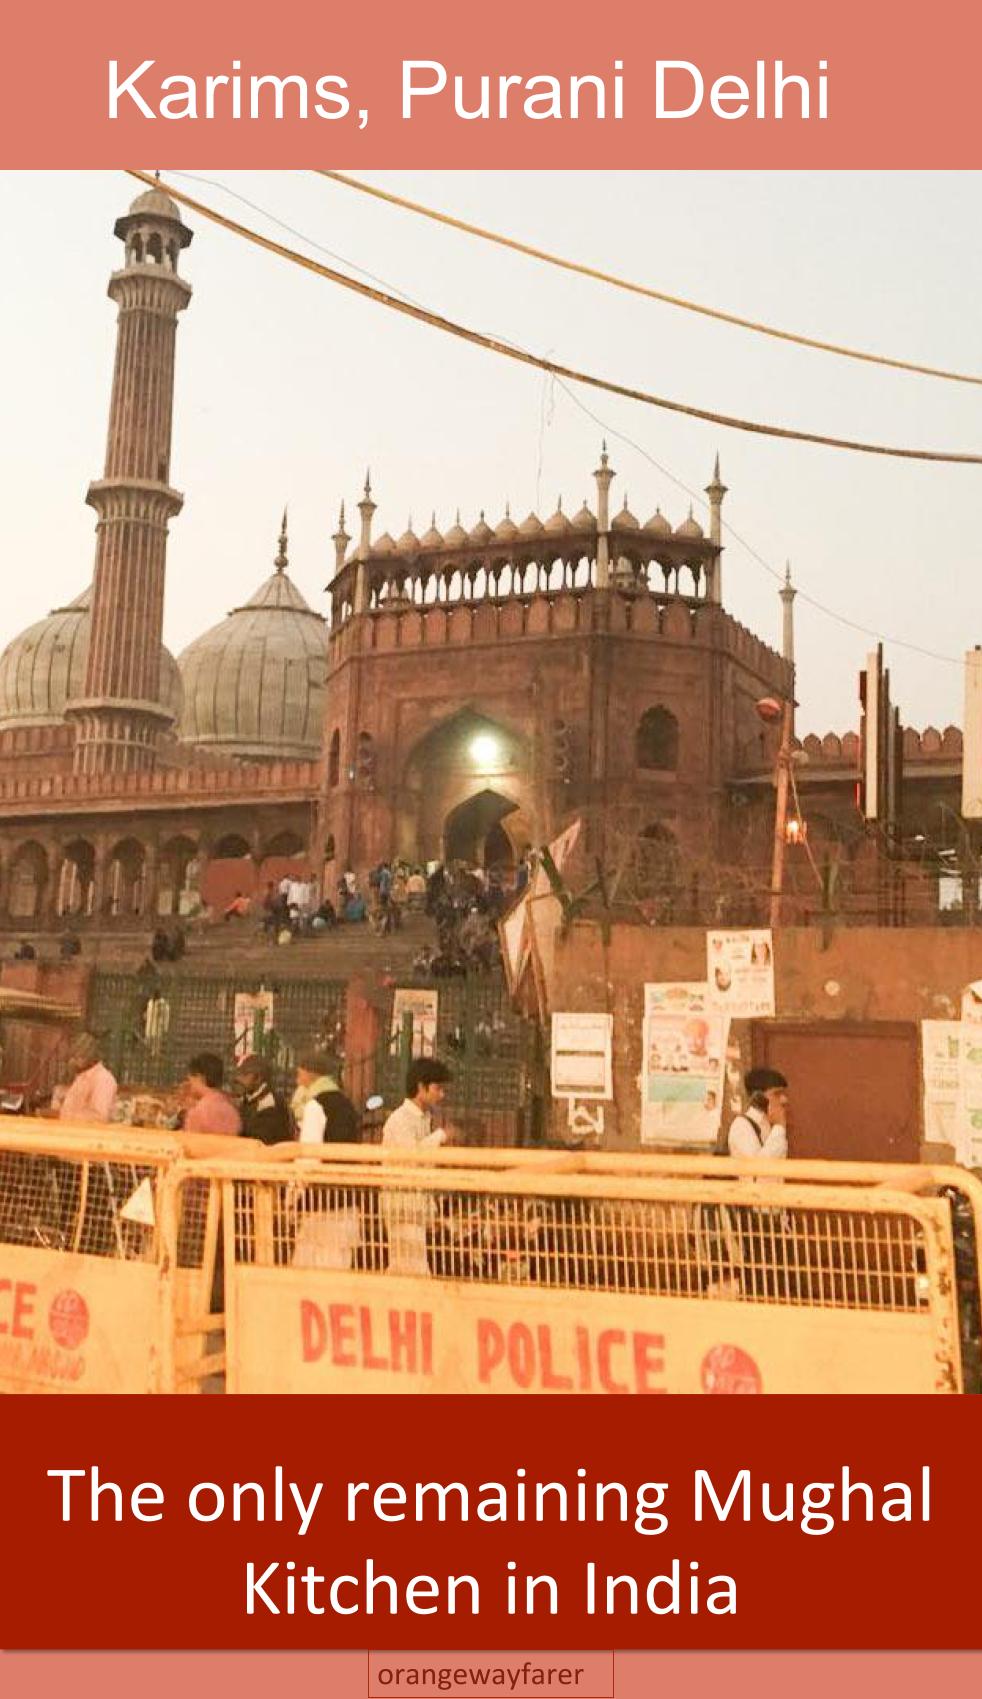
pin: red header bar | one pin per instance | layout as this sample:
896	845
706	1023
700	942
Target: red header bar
643	1574
895	98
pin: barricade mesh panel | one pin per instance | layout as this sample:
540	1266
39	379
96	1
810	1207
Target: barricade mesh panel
192	1223
827	1258
79	1204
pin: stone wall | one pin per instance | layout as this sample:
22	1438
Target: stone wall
861	974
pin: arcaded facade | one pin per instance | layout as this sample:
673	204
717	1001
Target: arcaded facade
461	694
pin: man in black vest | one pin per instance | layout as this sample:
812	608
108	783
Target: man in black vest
324	1115
265	1115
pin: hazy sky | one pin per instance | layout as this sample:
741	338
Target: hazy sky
287	388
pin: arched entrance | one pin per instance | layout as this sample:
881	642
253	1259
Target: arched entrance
474	832
76	888
125	883
464	777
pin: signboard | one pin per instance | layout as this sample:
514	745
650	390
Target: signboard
940	1062
972	738
870	697
77	1323
968	1140
740	973
683	1065
582	1065
290	1331
423	1005
882	746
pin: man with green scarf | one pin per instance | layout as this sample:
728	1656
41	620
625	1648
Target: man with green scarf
324	1115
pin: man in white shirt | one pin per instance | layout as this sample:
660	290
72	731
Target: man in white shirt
409	1215
762	1129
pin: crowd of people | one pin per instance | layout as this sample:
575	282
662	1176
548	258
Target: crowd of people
464	903
418	1231
251	1105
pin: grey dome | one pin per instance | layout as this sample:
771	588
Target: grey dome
153	203
44	668
254	684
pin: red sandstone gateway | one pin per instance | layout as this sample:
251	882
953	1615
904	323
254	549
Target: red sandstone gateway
477	687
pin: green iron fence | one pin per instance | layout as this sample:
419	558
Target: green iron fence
495	1055
152	1027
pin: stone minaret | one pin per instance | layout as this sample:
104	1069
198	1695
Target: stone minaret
119	719
604	476
716	490
787	594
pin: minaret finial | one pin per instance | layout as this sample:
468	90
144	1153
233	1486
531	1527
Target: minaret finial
282	561
368	484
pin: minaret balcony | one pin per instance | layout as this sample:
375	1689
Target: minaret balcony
139	499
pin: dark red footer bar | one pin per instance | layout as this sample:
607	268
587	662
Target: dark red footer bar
323	1524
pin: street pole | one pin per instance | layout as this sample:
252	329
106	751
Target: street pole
782	788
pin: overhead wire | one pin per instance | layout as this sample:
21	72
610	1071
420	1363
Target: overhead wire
634	288
523	356
545	408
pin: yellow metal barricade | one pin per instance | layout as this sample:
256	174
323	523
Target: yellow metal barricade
105	1284
547	1272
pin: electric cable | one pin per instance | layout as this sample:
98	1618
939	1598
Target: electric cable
634	288
510	351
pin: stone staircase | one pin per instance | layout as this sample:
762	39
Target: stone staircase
239	947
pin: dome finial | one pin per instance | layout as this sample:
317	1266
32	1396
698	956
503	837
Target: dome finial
282	560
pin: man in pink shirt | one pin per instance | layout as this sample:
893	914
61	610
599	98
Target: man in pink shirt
91	1096
211	1111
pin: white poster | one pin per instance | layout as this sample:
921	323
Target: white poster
740	973
423	1006
582	1059
968	1141
252	1014
941	1073
683	1065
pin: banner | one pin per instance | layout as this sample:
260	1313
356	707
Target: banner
740	973
683	1065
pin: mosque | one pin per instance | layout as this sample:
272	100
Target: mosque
461	694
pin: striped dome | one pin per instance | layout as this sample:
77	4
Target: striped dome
254	684
44	668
